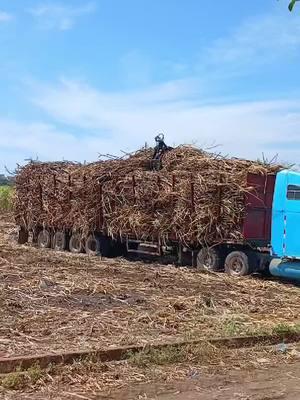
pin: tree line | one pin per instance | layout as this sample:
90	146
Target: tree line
6	180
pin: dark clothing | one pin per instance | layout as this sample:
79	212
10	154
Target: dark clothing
160	148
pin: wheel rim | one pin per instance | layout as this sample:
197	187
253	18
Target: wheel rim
44	239
208	260
59	241
237	266
91	246
76	243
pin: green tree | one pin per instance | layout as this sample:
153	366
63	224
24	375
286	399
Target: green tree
292	4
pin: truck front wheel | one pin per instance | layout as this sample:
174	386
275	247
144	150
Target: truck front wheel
237	263
210	259
23	236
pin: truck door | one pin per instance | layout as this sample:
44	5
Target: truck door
291	216
278	214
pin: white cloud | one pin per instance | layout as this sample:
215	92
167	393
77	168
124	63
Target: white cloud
128	120
97	122
59	16
5	17
20	141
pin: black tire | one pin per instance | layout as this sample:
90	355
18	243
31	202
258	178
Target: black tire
23	236
59	241
35	234
92	245
98	245
76	244
210	259
117	249
237	263
44	239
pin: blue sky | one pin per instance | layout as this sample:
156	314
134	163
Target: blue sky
79	78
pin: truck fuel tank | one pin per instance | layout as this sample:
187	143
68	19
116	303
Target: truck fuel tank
289	269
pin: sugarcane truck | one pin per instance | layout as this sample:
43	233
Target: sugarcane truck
270	234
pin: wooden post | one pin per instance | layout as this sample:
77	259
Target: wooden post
54	184
173	188
173	182
158	182
41	195
192	194
70	185
133	186
101	217
219	197
84	187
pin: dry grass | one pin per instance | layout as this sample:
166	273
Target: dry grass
87	379
58	301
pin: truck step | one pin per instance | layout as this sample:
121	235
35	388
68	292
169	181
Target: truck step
138	247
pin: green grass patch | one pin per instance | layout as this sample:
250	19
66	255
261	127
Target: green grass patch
202	353
150	356
6	198
234	325
286	329
22	379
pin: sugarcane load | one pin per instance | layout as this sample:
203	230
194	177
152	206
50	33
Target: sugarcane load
156	201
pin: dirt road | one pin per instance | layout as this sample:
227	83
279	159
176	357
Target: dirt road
281	382
272	383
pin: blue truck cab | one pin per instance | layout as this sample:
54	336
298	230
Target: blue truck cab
285	237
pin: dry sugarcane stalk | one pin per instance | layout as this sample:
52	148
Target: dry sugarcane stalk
195	197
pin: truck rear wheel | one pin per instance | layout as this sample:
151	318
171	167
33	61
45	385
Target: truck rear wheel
44	239
76	243
92	245
23	236
237	264
59	242
97	245
210	259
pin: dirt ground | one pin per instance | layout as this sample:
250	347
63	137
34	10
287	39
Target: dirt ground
52	302
273	383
